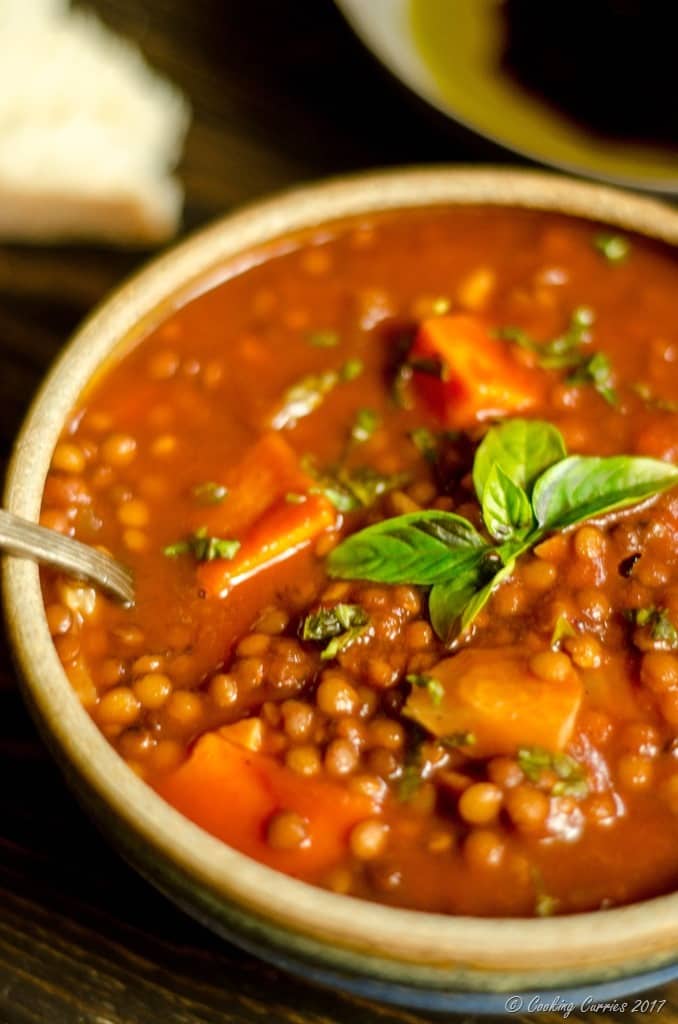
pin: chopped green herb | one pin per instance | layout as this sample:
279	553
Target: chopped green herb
366	422
563	352
435	688
340	643
414	768
659	623
519	337
352	488
545	905
662	404
571	775
425	442
203	547
400	389
292	498
615	248
410	781
454	740
596	370
341	625
304	397
533	761
562	629
209	493
324	339
351	369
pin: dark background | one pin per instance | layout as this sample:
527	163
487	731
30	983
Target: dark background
282	93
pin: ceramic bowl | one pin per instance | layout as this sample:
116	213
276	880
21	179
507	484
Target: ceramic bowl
413	958
449	52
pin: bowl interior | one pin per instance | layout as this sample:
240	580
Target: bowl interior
221	885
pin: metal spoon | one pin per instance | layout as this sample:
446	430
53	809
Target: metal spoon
21	537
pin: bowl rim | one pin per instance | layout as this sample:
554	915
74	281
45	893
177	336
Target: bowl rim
423	86
643	933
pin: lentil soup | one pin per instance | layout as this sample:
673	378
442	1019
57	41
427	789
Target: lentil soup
400	502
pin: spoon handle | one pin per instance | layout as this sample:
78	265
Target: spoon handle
21	537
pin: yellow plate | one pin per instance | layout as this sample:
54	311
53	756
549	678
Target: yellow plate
448	51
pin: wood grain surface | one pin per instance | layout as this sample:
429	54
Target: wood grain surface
282	93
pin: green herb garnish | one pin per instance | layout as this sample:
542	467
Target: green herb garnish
365	424
304	398
566	352
597	371
323	339
352	488
528	487
659	623
545	905
294	498
306	395
563	352
455	740
662	404
571	774
410	780
435	688
203	547
209	493
351	369
561	631
425	441
341	625
615	248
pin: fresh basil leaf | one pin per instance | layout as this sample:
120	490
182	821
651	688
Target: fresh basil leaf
449	601
523	449
446	604
418	548
482	596
506	508
583	486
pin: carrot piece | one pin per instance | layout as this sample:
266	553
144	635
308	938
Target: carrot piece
494	695
232	792
257	513
267	472
282	531
248	733
480	378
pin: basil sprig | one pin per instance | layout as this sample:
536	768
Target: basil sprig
528	487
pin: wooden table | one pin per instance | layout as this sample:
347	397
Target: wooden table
282	93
